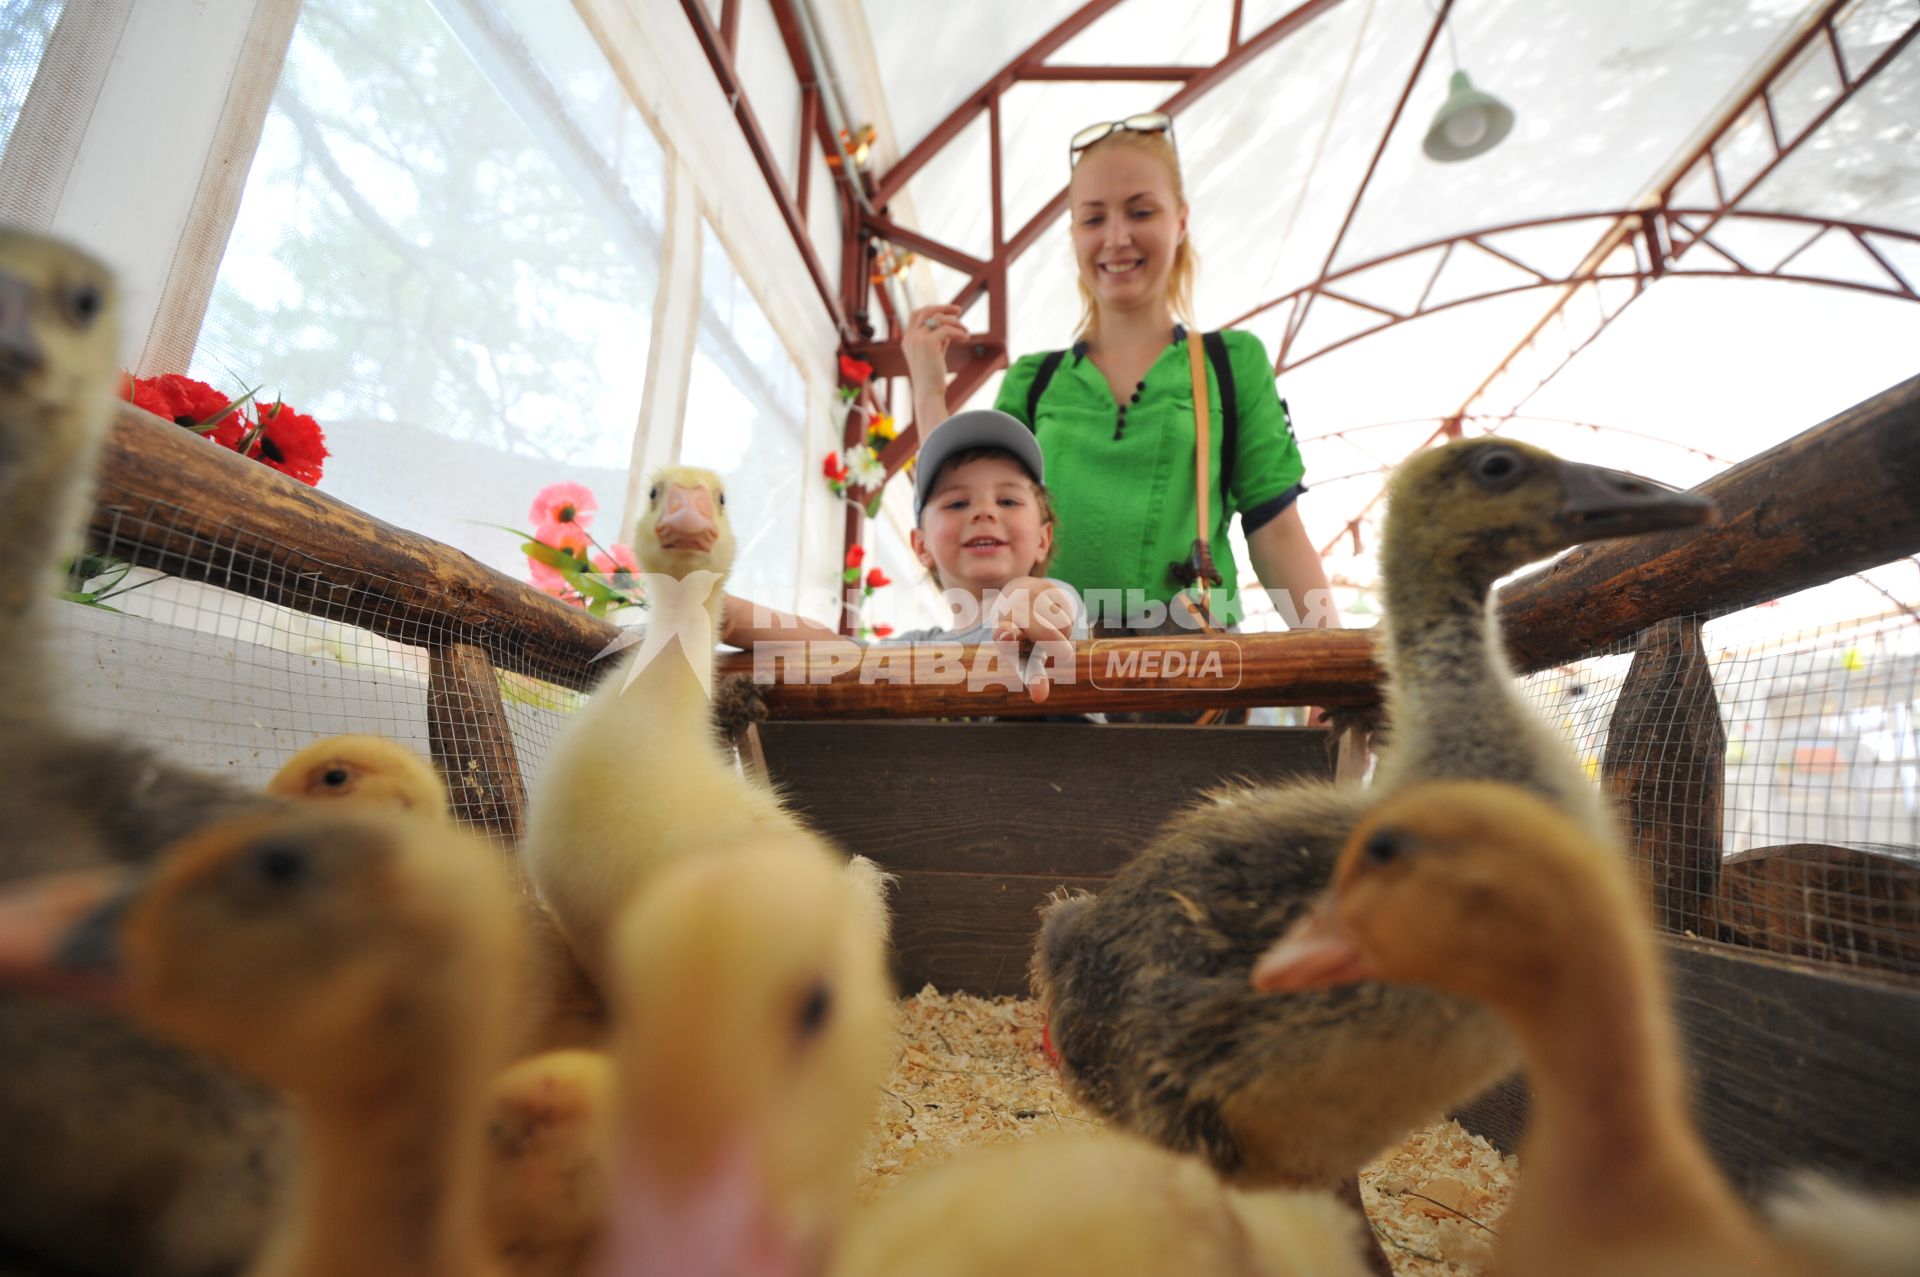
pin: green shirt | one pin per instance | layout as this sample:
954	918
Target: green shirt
1125	504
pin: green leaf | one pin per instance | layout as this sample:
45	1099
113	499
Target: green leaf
541	552
850	575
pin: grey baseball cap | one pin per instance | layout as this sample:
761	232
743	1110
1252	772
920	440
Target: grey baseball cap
981	428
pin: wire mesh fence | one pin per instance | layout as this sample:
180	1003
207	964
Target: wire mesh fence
1766	764
218	677
1767	769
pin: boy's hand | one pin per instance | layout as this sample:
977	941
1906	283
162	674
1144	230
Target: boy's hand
1033	610
924	340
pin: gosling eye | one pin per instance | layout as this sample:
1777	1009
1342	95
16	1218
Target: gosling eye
1384	846
280	864
721	497
81	303
335	777
653	495
815	1011
1499	468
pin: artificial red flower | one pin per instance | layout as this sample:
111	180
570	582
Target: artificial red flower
857	371
881	631
855	555
187	402
563	503
290	442
876	579
833	467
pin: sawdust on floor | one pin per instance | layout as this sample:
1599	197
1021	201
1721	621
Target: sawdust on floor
970	1071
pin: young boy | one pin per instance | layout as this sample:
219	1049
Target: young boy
984	527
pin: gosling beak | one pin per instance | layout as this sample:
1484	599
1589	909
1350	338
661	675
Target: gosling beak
1316	953
59	934
1599	503
719	1225
687	520
20	351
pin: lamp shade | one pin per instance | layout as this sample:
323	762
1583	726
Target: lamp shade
1467	123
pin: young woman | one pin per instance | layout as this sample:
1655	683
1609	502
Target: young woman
1114	413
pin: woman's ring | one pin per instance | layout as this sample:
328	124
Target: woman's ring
930	323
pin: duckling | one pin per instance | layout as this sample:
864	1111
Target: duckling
1145	986
754	1022
563	1008
364	768
361	962
637	777
121	1154
1098	1205
549	1121
1489	893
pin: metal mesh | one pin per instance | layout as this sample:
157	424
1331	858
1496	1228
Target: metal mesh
219	679
1767	767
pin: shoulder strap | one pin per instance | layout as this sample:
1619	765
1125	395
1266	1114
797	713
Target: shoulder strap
1216	345
1041	376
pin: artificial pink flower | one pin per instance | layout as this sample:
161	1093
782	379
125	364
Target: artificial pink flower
563	503
570	537
619	558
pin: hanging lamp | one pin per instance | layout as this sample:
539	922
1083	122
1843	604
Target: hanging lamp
1468	122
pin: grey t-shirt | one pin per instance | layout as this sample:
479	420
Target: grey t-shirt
983	631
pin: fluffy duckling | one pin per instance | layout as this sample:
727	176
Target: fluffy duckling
1100	1205
636	776
1145	986
1487	892
563	1009
360	768
120	1154
361	962
754	1016
549	1123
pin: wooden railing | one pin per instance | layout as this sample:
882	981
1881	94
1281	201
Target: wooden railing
1831	501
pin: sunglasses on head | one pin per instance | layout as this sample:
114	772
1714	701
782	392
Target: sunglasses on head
1146	122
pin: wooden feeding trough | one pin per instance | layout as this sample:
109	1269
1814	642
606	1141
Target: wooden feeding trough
1803	1035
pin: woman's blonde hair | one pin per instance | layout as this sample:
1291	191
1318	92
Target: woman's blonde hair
1186	261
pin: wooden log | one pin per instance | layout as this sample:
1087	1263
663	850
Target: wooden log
1793	1067
1835	904
1833	500
472	742
170	500
927	680
981	820
1665	767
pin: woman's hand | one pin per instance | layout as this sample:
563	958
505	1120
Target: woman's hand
1030	609
924	341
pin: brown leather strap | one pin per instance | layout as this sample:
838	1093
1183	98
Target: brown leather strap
1202	453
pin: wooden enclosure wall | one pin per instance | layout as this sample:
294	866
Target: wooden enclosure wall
1794	1067
980	821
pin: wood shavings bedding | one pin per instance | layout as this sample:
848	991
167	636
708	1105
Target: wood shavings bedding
969	1071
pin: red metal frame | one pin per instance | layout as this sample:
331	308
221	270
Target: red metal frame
1678	230
1783	65
1659	235
973	361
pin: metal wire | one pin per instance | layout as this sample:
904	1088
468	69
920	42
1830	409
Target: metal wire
1775	802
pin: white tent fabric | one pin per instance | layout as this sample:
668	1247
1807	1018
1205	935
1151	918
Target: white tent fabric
1609	98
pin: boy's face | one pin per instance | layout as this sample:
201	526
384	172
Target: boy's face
981	526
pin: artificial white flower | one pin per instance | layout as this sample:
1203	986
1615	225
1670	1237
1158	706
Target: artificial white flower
863	467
